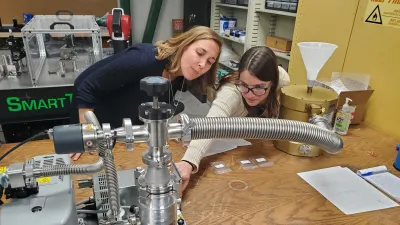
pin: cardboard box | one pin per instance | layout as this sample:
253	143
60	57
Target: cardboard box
359	99
279	43
177	27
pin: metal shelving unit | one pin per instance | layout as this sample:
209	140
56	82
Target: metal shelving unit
233	6
276	12
232	39
258	23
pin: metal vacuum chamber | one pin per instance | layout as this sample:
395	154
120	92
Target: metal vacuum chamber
59	47
300	105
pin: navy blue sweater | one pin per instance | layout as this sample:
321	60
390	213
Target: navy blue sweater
112	85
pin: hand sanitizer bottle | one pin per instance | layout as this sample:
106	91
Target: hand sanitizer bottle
343	118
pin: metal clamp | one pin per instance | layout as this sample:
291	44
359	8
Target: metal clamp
164	161
321	122
30	180
314	109
107	135
187	125
129	140
15	174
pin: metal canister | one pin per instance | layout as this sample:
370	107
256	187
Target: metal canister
297	104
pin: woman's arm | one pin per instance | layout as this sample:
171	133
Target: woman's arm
284	78
227	103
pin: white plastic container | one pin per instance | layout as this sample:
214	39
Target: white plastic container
343	118
223	25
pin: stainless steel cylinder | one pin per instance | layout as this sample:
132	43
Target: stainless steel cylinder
157	209
158	138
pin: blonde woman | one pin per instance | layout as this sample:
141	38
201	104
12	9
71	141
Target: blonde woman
253	91
111	87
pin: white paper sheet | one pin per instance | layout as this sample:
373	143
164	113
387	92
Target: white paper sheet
346	190
223	145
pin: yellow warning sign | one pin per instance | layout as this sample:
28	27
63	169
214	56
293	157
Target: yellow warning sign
3	169
383	12
44	180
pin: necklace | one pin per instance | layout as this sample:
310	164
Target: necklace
172	93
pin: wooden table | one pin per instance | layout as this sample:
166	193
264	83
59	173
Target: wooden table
271	195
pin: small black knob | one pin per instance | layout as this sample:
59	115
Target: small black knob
154	86
132	209
181	222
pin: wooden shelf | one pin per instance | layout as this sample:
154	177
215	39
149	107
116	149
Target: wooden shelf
277	12
233	6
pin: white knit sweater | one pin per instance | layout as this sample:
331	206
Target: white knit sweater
228	103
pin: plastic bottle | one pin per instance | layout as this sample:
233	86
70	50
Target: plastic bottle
343	118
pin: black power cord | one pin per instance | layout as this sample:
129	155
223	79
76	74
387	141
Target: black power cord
41	135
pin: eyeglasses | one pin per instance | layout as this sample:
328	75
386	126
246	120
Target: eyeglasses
258	91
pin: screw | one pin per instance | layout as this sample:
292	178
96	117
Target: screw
146	112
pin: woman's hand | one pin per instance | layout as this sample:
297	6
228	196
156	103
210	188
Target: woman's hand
185	169
75	156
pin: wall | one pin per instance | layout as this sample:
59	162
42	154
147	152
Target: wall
363	48
375	50
171	9
334	25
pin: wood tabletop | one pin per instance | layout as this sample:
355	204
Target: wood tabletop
273	195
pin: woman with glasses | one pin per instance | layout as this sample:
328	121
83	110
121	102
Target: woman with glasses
253	91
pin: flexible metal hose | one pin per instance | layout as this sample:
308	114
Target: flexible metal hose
262	128
112	179
59	170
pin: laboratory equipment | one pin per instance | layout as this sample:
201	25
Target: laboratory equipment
140	196
308	103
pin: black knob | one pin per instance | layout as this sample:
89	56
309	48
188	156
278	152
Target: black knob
181	222
154	86
132	209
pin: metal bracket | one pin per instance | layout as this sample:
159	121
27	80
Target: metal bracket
127	124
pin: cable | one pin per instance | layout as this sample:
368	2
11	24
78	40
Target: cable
83	202
91	211
42	134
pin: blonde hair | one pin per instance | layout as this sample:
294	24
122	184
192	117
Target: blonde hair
174	47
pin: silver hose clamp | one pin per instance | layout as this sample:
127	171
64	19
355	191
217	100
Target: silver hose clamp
321	122
108	135
162	162
30	180
187	125
129	140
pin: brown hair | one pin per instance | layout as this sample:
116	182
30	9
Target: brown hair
261	62
174	47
